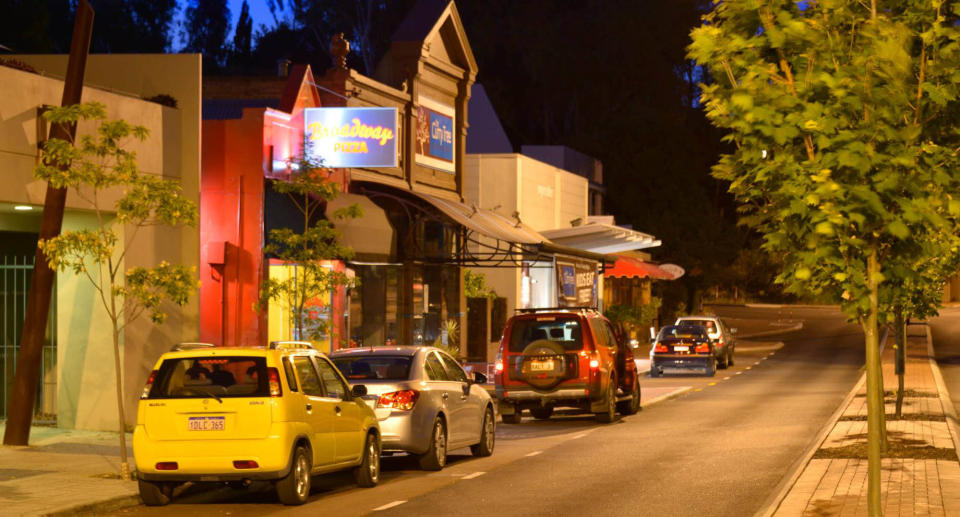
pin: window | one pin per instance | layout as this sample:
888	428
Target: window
201	377
454	372
331	381
291	378
308	376
374	367
563	331
435	369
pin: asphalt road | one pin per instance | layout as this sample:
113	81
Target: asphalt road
945	330
721	448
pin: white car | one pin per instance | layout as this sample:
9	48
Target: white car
723	337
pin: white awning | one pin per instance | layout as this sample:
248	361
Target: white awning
601	238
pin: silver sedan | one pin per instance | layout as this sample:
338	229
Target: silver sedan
426	403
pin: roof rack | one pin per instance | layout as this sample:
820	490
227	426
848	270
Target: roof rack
275	345
191	345
554	309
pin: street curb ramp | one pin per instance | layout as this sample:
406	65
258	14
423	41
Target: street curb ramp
107	505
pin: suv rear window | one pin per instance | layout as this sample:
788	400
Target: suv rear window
374	367
564	331
200	377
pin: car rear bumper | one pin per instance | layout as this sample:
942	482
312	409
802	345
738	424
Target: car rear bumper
510	399
408	431
681	362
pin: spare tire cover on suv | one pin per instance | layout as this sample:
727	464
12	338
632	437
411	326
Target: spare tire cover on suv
544	379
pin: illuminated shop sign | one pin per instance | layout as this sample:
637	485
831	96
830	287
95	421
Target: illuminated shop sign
352	137
436	135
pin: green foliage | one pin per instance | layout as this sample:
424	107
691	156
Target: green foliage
309	188
452	329
475	285
635	317
845	145
96	165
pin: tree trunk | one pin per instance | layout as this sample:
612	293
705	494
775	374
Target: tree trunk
901	351
124	466
874	403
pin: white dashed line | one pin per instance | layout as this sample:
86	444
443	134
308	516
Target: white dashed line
581	435
534	453
726	378
388	506
738	373
747	368
474	475
764	358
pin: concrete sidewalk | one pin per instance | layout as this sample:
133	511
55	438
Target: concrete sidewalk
64	471
920	473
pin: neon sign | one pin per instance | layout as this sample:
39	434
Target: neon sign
352	137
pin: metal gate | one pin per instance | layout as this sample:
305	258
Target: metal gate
15	274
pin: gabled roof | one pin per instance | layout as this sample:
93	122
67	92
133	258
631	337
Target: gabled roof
299	91
427	19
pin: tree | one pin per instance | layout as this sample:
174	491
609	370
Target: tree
132	25
99	164
846	161
308	189
205	27
242	37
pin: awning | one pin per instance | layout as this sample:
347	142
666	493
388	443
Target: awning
485	222
601	238
626	267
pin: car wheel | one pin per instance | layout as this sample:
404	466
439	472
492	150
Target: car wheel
541	413
487	436
632	406
730	357
711	368
368	473
610	413
513	418
294	488
155	494
722	364
654	372
436	456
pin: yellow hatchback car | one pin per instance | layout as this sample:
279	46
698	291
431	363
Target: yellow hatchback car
235	415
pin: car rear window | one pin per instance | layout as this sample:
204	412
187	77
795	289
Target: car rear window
200	377
564	331
374	367
673	332
708	325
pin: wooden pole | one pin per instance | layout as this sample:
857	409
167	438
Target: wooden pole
30	354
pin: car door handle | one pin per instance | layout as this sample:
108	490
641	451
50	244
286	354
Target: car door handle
309	407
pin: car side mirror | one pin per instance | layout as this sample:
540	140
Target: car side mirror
653	334
358	390
479	378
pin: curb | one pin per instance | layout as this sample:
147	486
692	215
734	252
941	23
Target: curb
773	332
946	402
107	505
796	469
667	396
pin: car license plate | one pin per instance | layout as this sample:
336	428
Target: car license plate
541	366
681	349
206	423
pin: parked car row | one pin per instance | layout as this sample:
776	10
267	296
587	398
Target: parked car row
286	412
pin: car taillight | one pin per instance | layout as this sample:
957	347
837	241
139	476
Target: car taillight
274	377
594	363
660	348
245	464
149	385
702	349
167	465
403	399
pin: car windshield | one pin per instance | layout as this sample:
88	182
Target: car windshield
374	367
671	332
217	377
560	330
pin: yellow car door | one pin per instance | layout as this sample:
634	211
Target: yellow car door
319	411
348	423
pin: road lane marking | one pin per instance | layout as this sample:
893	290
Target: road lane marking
764	358
698	389
747	368
726	378
474	475
738	373
388	506
534	453
712	384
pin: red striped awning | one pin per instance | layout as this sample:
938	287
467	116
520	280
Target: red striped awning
626	267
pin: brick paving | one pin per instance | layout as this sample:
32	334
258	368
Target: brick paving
830	486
